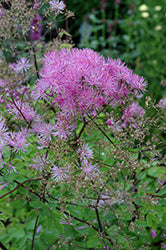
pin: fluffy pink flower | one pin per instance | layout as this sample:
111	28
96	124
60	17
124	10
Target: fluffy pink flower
162	103
18	140
59	173
89	169
80	81
21	65
39	163
57	6
44	130
131	113
85	152
22	110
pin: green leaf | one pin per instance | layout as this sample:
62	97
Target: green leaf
16	231
156	171
162	191
36	204
121	238
59	226
53	223
92	242
151	221
164	220
66	45
64	33
49	237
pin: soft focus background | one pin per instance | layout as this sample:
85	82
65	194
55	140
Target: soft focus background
133	31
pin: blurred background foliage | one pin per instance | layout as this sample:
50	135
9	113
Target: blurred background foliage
133	31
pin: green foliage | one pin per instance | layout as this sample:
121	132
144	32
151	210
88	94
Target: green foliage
122	31
117	207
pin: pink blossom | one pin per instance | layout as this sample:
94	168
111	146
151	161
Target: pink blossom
2	83
44	130
109	122
21	65
57	6
80	81
103	4
18	140
11	168
117	2
163	245
22	110
36	4
131	113
64	125
153	233
85	152
89	169
162	103
39	89
59	173
43	143
39	163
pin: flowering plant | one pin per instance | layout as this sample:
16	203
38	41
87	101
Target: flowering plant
79	167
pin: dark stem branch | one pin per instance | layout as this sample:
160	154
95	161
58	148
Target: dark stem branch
98	219
29	125
35	61
21	184
87	223
102	131
156	195
82	129
67	202
33	192
2	246
53	244
34	232
161	146
72	216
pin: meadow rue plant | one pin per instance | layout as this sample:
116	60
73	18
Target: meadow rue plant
81	162
81	82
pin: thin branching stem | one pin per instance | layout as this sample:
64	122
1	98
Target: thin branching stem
98	220
102	131
33	192
2	246
56	241
34	231
29	125
35	62
21	184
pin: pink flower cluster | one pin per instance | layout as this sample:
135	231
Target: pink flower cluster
133	112
80	81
